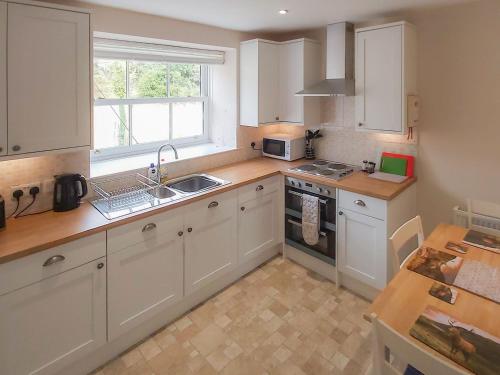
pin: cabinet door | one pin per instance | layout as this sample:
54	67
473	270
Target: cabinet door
49	324
258	226
48	79
268	82
3	78
379	79
362	248
211	244
291	63
143	279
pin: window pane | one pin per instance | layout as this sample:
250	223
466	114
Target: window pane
187	119
185	80
150	123
147	79
109	79
111	126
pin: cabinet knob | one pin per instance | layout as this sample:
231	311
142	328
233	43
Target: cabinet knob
100	265
149	227
242	208
277	118
53	260
1	149
16	148
360	124
190	229
359	202
341	213
180	233
213	204
259	188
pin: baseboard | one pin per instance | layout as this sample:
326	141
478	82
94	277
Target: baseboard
314	264
113	348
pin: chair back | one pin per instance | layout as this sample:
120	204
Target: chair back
401	236
388	340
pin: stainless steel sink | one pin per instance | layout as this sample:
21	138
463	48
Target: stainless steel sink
162	192
195	183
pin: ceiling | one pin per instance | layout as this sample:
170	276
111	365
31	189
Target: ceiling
262	15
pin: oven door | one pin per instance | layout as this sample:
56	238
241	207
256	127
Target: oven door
324	249
293	202
274	148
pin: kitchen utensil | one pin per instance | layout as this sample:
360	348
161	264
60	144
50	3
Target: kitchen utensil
410	167
393	165
69	189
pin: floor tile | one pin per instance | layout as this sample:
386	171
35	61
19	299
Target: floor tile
279	319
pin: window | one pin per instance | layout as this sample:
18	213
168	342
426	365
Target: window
148	94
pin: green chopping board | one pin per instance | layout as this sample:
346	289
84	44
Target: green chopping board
393	165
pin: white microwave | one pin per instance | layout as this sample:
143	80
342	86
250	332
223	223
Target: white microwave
283	146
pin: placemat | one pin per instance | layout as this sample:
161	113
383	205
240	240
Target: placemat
463	343
473	276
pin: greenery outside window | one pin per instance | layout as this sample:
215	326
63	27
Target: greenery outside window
140	104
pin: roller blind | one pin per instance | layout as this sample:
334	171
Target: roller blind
122	49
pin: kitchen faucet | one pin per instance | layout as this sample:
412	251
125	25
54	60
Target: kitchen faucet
158	167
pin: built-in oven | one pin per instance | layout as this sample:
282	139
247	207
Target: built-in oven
324	249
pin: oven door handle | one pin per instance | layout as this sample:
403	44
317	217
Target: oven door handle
293	222
322	201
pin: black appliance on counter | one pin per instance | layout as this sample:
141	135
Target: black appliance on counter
325	248
69	189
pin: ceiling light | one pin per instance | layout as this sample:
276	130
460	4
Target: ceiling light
283	11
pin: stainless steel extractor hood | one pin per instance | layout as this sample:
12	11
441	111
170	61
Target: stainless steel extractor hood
339	63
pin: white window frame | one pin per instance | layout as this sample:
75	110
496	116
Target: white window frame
137	149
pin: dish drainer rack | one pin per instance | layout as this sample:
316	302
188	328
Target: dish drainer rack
124	191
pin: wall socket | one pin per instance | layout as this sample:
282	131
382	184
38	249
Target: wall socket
25	188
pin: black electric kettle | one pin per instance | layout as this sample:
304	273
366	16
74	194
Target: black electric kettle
68	190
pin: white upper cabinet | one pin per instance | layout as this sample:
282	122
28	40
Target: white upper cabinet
3	79
385	75
48	77
270	75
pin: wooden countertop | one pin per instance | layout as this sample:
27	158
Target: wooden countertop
35	233
407	295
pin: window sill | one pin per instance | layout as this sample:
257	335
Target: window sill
131	163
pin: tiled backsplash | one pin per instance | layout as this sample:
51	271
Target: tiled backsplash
340	142
39	169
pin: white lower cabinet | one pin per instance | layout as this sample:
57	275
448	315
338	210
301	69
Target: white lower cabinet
362	247
211	241
258	225
145	277
51	323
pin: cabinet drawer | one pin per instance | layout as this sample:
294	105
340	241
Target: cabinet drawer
30	269
363	204
211	210
152	228
259	188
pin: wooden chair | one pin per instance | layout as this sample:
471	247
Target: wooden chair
386	339
401	236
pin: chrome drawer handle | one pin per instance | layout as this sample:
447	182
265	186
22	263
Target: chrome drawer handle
213	204
359	202
259	188
149	227
53	260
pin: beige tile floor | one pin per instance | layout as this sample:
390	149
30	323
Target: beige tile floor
278	319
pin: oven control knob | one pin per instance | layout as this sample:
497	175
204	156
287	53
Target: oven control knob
298	183
327	191
319	189
293	183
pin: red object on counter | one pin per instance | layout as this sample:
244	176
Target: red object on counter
410	162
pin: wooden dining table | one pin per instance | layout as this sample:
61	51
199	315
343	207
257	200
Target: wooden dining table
407	295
